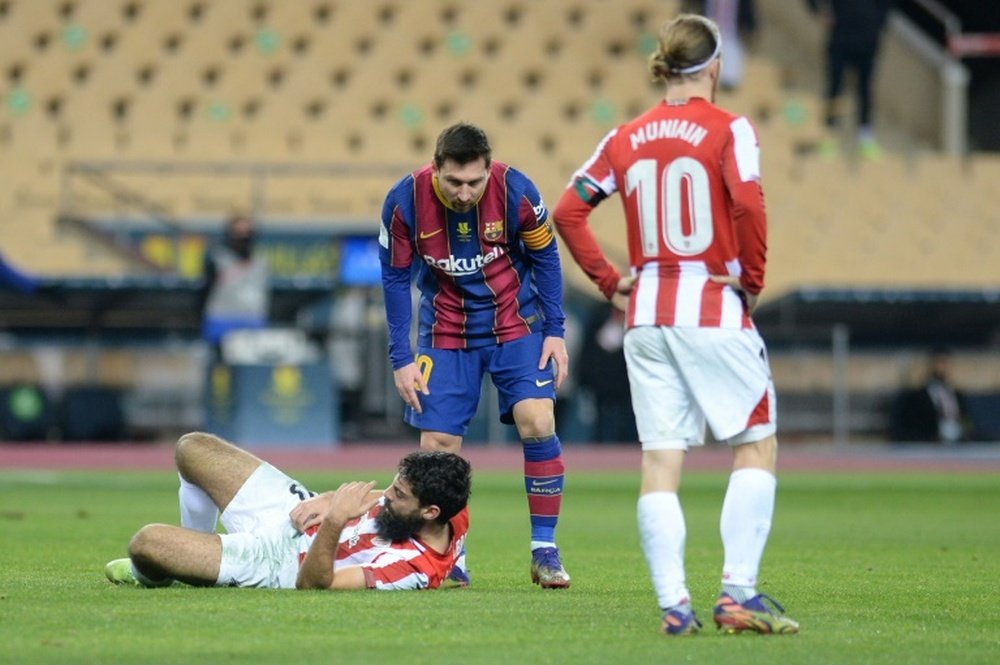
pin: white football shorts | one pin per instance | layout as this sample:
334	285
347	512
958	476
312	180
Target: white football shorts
683	378
261	547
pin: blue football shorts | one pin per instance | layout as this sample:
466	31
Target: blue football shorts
455	376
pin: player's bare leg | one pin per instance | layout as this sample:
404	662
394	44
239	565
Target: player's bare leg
448	443
543	482
745	524
161	553
217	467
211	472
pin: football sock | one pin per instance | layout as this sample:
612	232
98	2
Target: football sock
683	606
745	524
198	511
740	594
662	533
543	483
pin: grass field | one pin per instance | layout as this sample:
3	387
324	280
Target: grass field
877	567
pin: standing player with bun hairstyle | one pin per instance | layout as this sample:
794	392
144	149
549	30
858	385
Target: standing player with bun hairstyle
475	234
689	178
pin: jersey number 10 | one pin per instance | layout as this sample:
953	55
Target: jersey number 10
684	173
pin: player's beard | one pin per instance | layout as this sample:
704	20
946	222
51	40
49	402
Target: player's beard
394	527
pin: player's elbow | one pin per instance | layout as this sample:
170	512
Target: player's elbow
308	583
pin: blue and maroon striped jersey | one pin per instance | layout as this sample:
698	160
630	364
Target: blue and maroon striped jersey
485	276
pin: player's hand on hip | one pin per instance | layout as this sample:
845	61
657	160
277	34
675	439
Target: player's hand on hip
626	284
351	500
619	299
409	382
554	349
750	299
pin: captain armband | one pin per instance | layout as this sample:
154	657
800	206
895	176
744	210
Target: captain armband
588	191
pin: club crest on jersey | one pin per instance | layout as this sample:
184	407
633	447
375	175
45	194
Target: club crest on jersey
464	232
493	230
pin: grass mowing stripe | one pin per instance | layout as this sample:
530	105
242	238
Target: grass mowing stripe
877	568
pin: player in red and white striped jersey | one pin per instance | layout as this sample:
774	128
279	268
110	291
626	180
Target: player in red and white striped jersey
688	175
281	535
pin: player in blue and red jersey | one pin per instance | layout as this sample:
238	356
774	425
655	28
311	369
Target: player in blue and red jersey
474	232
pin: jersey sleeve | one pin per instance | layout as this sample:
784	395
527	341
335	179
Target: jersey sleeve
388	572
591	184
396	257
741	172
540	245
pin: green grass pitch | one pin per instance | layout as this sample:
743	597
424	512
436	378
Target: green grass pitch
877	567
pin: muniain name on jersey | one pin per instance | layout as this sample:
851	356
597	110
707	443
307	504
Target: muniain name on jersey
691	132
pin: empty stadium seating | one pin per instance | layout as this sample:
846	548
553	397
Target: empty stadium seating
355	83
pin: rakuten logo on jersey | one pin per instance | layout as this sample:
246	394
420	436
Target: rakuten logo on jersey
456	267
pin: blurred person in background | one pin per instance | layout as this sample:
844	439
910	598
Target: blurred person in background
854	32
737	21
688	173
473	232
603	375
936	411
236	288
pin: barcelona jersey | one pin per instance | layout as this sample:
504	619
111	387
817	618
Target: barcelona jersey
486	276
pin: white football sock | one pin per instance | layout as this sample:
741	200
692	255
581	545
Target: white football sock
745	524
662	533
198	511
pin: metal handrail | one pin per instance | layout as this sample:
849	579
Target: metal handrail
952	24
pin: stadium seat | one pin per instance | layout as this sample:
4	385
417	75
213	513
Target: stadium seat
91	413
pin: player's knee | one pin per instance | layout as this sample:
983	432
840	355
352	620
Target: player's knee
145	543
188	448
439	441
535	417
534	423
760	454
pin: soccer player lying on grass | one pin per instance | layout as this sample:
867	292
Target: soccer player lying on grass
281	535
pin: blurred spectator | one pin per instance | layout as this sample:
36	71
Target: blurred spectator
854	30
934	412
601	372
236	293
347	348
737	20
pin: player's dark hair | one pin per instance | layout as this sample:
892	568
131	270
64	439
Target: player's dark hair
687	45
438	479
462	143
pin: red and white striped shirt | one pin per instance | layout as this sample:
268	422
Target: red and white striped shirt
689	177
388	565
